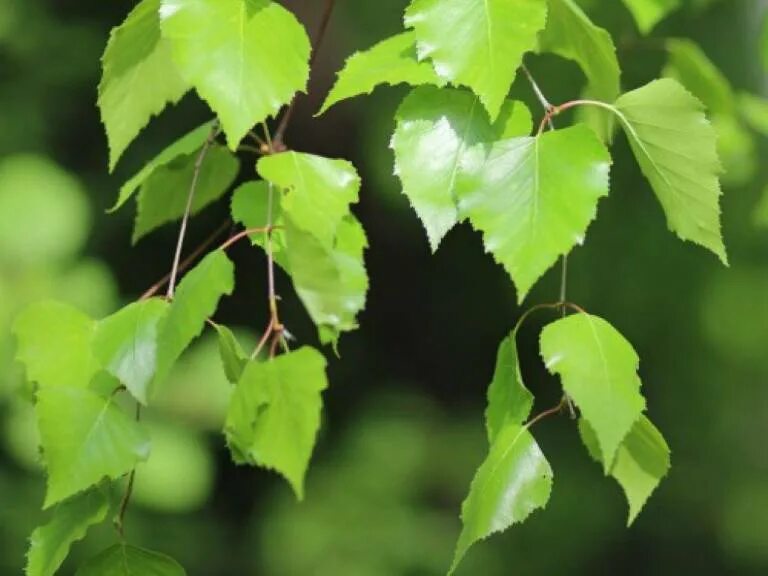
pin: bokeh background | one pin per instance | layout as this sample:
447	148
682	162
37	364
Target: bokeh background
403	431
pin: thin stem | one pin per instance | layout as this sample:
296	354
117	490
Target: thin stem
120	520
263	341
207	243
190	198
251	149
551	412
275	320
555	110
319	36
244	234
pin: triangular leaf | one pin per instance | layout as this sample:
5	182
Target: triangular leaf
641	461
187	144
514	480
598	369
509	401
125	560
319	190
246	58
85	438
163	196
477	43
392	61
49	544
54	344
331	282
535	197
571	34
126	344
139	77
437	130
195	301
648	13
233	358
677	151
275	414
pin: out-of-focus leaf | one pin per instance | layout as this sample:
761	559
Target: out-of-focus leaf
125	560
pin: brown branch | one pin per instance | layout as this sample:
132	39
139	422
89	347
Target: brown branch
279	140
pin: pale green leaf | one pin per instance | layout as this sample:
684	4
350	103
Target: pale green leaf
233	357
246	58
675	146
648	13
535	197
477	43
572	35
85	438
509	401
435	145
163	196
125	560
332	283
754	111
186	145
598	369
689	65
274	415
641	461
251	207
49	544
318	191
139	77
514	480
54	344
126	344
392	61
195	301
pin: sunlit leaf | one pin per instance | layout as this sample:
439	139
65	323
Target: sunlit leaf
246	58
391	61
139	77
49	544
275	414
251	208
435	146
477	43
598	369
641	462
85	438
126	344
534	198
513	481
233	358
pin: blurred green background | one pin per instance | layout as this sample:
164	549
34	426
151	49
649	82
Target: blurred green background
403	429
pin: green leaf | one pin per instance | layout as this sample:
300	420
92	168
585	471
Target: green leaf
477	43
598	368
246	58
514	480
139	78
535	197
331	282
251	206
233	358
187	144
676	149
319	190
275	414
435	145
572	35
54	344
125	560
392	61
126	344
163	196
85	438
761	211
689	65
195	301
648	13
754	111
641	461
49	544
509	401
